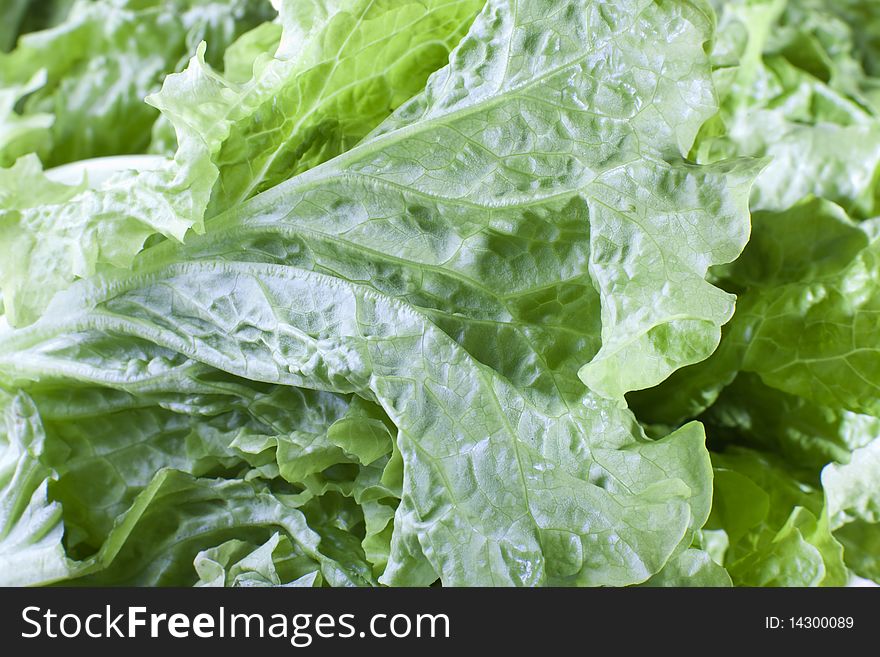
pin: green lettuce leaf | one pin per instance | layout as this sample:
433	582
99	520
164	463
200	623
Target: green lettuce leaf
852	488
11	17
32	549
122	442
807	272
861	544
792	90
20	134
659	509
798	353
806	434
226	142
681	325
238	563
31	526
853	492
833	361
115	52
777	526
338	71
863	17
177	516
59	232
693	567
520	218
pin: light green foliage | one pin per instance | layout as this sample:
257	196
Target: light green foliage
777	530
346	66
796	375
102	59
386	345
378	306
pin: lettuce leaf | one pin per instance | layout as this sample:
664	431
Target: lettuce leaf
31	525
112	54
12	14
447	286
795	375
777	528
223	141
792	91
420	292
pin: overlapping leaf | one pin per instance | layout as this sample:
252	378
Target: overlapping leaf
795	375
339	69
527	218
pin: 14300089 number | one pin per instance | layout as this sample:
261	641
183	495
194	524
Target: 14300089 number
821	622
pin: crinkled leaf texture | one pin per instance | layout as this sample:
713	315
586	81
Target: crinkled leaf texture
20	134
777	530
97	65
338	70
853	493
528	218
31	527
791	90
154	540
692	568
796	375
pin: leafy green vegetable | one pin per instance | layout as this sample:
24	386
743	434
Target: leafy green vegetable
691	568
777	529
31	550
337	72
21	134
417	291
231	138
854	507
792	91
12	14
796	373
238	563
99	63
